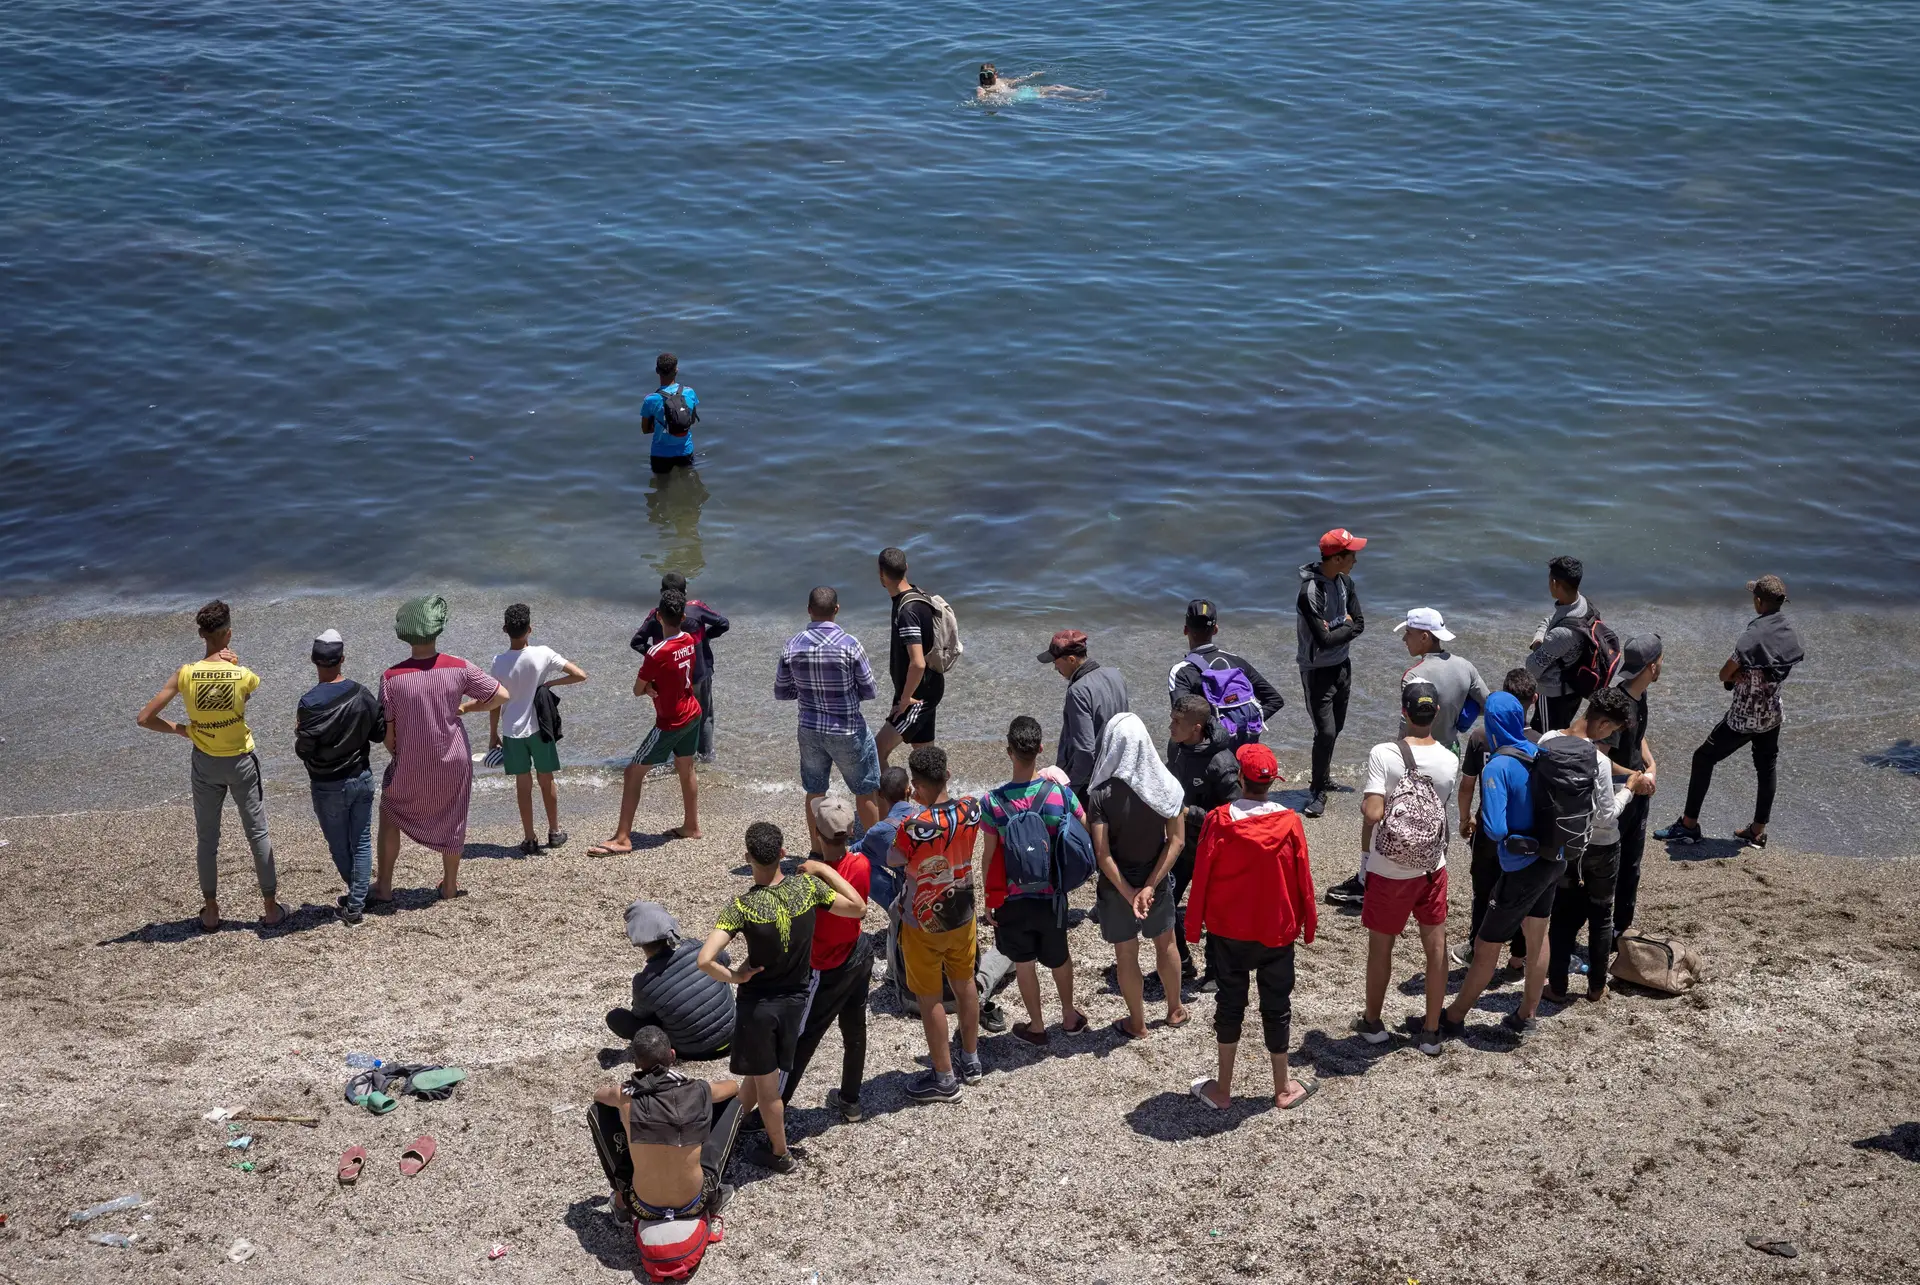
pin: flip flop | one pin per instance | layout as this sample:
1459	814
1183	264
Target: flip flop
1174	1026
352	1161
1074	1030
1307	1089
1125	1034
422	1147
1205	1101
606	850
431	1082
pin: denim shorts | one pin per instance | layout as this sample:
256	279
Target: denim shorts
852	752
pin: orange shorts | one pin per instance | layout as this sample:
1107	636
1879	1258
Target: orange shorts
929	956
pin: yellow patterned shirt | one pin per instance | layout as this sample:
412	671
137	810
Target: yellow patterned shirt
215	693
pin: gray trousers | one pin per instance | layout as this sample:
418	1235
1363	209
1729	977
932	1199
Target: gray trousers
214	778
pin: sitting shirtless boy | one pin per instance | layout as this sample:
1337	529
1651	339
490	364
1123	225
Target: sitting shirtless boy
664	1138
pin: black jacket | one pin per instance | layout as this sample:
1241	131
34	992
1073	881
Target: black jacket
1184	678
1208	773
335	725
700	616
695	1010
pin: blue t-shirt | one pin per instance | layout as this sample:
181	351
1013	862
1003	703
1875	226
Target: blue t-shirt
665	443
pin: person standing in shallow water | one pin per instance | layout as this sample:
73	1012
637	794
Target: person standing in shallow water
669	414
215	692
429	781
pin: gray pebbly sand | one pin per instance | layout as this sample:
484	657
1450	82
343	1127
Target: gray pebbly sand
1639	1140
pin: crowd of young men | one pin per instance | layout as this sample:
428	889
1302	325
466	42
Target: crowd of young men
1549	779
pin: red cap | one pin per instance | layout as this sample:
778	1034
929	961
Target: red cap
1068	642
1340	540
1257	764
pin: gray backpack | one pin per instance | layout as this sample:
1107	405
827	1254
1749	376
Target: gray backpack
1413	833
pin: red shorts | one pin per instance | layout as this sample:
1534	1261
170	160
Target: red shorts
1389	902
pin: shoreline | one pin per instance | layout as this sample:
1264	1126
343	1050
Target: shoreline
70	685
1638	1139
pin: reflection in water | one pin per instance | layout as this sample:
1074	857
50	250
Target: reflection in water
674	501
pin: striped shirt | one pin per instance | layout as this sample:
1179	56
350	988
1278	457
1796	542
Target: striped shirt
825	668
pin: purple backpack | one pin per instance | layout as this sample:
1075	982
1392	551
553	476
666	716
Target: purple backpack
1230	692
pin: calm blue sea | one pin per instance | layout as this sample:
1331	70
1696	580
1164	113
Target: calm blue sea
336	296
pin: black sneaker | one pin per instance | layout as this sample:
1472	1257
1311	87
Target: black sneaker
1187	971
1748	839
1679	832
556	838
782	1165
968	1066
1371	1032
1426	1041
351	918
930	1086
1450	1029
752	1123
1208	985
722	1197
850	1112
529	847
1521	1026
1350	893
1316	806
993	1019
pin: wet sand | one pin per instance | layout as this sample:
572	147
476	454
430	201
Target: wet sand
1637	1140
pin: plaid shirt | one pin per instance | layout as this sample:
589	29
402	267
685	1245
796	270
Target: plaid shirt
825	668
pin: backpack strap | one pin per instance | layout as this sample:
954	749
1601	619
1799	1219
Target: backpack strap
1406	756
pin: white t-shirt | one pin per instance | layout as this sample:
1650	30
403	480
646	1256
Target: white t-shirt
1385	767
523	672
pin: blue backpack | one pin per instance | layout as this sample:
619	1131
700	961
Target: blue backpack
1042	863
1230	692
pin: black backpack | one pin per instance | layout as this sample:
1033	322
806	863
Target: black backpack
1599	657
675	413
1560	784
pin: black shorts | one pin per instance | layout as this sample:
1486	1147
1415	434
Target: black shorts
668	463
915	727
766	1032
1526	893
1026	931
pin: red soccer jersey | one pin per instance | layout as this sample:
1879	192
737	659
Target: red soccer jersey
669	667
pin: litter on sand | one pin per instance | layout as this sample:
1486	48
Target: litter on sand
112	1239
240	1143
242	1250
105	1207
496	1253
220	1115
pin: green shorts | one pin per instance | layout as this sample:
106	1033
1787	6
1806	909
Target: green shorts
523	754
664	743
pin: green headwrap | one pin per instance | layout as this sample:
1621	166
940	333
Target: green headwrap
420	620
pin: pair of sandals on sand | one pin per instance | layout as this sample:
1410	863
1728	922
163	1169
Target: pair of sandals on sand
418	1155
1298	1093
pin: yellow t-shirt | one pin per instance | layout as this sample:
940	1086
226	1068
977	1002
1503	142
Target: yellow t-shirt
215	693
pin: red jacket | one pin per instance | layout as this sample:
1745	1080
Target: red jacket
1251	881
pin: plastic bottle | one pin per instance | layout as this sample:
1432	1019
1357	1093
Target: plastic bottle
106	1207
112	1238
363	1061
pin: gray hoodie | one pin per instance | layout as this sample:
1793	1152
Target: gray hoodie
1560	647
1329	618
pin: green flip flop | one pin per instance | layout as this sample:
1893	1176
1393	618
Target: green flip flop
436	1083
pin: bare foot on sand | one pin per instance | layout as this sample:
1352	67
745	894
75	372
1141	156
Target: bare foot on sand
617	847
274	916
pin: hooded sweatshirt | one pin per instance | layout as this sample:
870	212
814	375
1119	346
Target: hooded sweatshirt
1506	793
1251	881
1329	618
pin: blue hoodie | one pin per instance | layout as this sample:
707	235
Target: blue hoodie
1506	794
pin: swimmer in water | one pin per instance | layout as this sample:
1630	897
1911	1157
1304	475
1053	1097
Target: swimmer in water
997	89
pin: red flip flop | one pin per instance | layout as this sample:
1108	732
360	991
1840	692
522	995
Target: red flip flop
417	1156
352	1161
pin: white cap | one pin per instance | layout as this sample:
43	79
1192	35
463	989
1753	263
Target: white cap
329	636
1428	619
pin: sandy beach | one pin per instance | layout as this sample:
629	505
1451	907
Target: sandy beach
1637	1140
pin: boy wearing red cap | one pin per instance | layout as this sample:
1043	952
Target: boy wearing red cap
1253	896
1329	621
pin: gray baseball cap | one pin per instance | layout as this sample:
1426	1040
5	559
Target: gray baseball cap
1641	651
